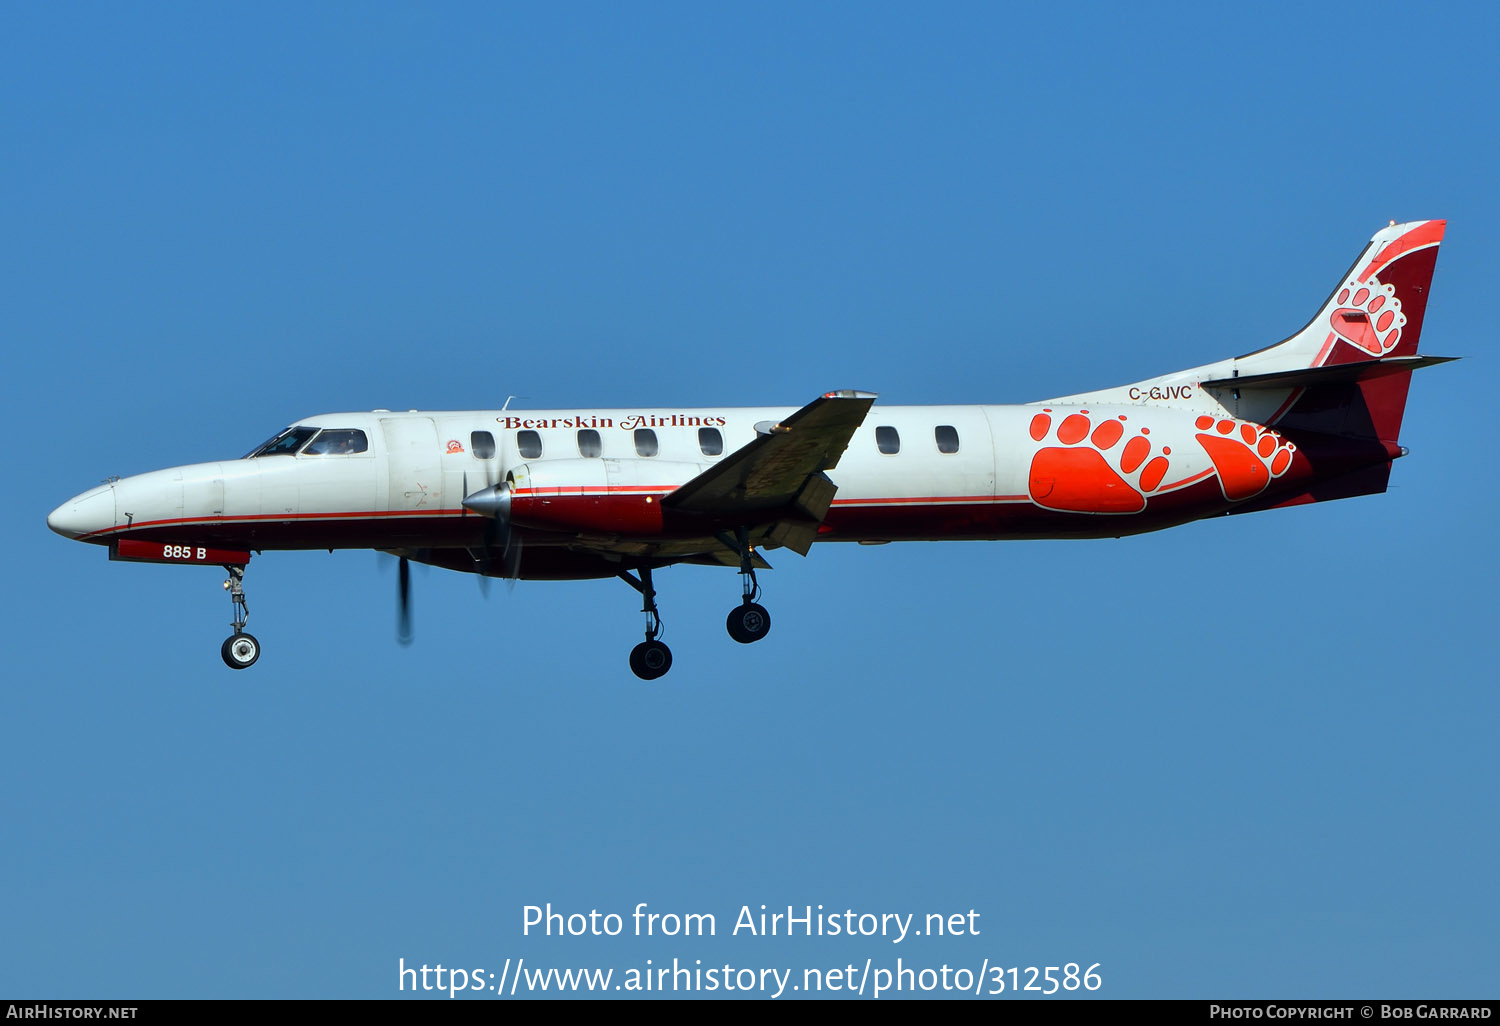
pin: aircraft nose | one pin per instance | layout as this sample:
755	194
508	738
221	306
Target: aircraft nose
94	510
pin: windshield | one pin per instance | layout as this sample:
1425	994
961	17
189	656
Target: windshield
284	444
337	442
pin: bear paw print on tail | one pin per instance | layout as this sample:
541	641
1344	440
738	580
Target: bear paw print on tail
1369	316
1247	456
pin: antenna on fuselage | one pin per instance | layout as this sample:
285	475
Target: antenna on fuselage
509	398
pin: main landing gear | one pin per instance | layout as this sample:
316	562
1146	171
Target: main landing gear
650	659
240	650
748	622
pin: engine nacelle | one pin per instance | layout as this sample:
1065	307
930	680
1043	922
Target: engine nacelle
595	495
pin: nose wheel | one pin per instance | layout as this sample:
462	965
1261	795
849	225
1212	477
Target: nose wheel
650	659
240	650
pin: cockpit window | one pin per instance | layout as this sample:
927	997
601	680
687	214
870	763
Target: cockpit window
284	444
337	442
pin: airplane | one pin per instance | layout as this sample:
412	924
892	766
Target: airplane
575	494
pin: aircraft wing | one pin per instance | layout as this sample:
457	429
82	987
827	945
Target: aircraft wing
780	474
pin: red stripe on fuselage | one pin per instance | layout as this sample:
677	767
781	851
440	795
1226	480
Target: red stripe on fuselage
586	490
369	516
851	519
256	517
934	500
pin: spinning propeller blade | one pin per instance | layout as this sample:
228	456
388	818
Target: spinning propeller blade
502	544
403	602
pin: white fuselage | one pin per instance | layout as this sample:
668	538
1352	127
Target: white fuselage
909	472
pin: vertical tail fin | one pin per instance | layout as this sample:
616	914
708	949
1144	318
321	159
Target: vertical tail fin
1375	311
1345	374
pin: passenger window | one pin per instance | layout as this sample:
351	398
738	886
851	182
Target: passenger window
947	438
645	442
887	440
339	442
710	441
482	445
529	443
588	443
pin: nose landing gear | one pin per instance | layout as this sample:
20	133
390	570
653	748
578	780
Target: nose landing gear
650	659
240	650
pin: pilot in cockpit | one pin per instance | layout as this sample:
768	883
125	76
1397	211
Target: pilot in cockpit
337	443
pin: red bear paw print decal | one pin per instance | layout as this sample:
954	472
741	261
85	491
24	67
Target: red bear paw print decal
1246	456
1369	316
1088	471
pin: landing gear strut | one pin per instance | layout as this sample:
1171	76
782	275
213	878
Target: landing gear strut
240	650
650	659
747	622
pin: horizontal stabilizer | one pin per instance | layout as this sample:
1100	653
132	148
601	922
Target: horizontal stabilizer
1338	374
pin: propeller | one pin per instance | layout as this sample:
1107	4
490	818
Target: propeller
403	602
502	550
501	542
510	559
403	592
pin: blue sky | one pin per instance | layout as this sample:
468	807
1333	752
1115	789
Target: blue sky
1250	757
